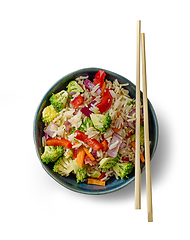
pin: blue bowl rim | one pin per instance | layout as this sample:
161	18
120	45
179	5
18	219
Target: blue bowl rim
78	72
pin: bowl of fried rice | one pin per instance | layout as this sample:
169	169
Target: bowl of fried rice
84	131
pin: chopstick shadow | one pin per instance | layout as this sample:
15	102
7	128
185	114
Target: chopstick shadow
160	159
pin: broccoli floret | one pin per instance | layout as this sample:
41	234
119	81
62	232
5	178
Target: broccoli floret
86	124
81	174
59	100
141	136
107	163
73	86
75	166
93	173
83	127
100	121
129	103
51	153
72	130
68	153
63	166
49	114
122	169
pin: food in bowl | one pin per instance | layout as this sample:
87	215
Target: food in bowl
89	130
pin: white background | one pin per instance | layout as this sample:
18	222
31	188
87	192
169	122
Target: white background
40	42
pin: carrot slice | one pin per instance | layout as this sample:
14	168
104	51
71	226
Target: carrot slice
96	182
105	145
89	154
141	155
80	157
133	144
142	158
116	130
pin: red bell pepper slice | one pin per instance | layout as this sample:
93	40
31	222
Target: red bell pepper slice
128	135
93	143
77	101
106	101
103	174
99	77
80	136
58	142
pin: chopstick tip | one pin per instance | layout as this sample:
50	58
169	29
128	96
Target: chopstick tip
150	217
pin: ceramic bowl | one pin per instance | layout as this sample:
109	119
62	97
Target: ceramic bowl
70	182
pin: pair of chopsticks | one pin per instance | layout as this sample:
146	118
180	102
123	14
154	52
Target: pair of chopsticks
141	48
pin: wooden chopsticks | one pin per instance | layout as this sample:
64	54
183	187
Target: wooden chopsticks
141	38
146	134
137	130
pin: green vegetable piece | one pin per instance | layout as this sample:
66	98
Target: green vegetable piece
73	86
86	124
68	153
51	153
75	166
72	130
100	121
59	100
63	166
123	169
93	173
48	114
108	162
141	136
129	103
81	174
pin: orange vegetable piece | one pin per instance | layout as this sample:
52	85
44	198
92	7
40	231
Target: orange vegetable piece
80	157
105	145
116	130
96	182
89	154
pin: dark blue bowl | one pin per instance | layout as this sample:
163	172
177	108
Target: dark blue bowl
70	182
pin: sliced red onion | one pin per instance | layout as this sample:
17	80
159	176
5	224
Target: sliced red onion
118	136
46	136
132	112
131	124
94	153
86	111
125	159
67	125
90	162
113	152
72	93
90	85
123	145
98	91
87	160
51	129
